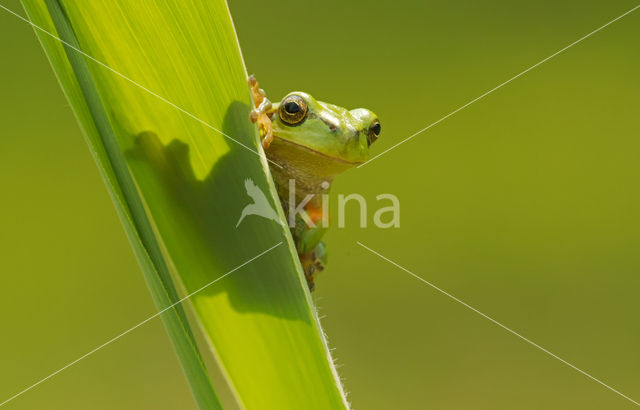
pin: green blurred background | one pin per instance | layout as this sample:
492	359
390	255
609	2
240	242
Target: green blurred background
524	205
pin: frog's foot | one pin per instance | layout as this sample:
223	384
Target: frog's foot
262	112
312	263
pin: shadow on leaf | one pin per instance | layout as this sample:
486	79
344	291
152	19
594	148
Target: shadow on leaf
197	221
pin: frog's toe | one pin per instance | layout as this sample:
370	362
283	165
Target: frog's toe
268	138
257	93
317	263
320	255
264	124
309	274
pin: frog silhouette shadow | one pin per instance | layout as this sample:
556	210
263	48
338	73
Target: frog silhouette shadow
208	208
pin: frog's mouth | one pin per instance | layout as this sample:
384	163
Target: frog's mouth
316	152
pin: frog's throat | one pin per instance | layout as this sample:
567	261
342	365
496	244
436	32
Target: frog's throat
310	169
315	152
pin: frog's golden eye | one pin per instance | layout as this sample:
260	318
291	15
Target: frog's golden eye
293	110
374	132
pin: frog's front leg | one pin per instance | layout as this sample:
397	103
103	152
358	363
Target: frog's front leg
261	113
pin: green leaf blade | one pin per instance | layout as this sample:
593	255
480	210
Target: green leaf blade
259	320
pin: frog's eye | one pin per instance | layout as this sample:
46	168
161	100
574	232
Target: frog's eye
293	110
374	132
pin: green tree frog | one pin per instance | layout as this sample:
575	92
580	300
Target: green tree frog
309	142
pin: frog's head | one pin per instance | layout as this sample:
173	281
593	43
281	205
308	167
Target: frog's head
332	137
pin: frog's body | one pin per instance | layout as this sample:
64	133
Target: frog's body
310	142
